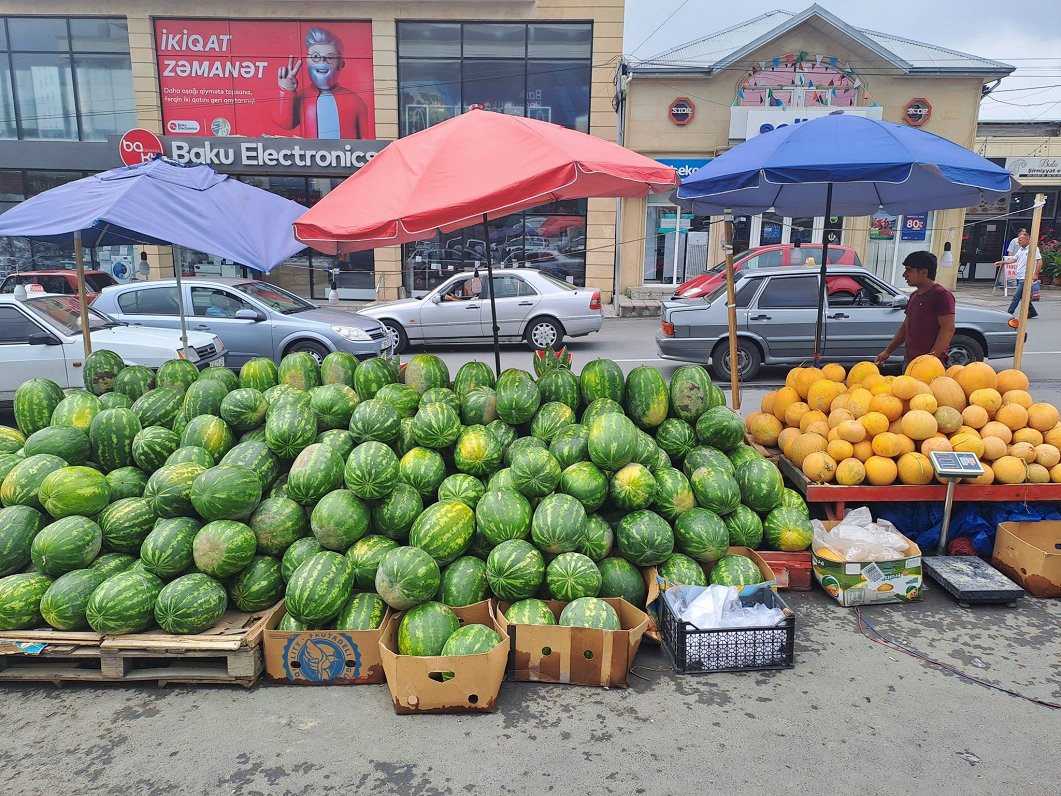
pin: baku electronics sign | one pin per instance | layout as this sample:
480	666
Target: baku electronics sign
265	78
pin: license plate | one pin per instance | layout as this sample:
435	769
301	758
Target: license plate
217	363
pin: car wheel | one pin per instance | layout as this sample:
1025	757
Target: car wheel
397	334
314	349
543	333
963	350
748	357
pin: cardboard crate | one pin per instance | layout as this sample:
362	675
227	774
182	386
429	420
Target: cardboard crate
420	684
870	582
575	655
1030	554
322	657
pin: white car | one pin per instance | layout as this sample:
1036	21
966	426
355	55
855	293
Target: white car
40	337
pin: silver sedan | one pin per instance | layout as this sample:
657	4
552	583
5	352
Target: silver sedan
531	306
777	311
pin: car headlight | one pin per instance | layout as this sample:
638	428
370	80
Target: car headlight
690	292
219	345
352	333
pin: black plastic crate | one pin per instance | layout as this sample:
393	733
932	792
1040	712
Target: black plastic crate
695	651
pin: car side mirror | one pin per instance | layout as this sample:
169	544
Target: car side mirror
42	338
899	302
249	315
435	299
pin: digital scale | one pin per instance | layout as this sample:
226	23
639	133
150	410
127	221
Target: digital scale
970	579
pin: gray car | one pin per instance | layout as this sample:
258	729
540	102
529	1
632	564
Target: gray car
777	312
253	318
531	306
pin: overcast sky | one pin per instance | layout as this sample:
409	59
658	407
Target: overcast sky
1025	35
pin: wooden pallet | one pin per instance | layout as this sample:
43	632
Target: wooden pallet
229	653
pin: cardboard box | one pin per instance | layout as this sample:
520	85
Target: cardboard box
1030	554
575	655
870	582
322	657
424	685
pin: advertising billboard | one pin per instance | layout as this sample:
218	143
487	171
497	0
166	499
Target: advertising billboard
265	78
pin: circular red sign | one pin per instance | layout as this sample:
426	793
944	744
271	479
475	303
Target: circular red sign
681	111
139	145
917	111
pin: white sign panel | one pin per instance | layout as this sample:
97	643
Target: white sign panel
745	123
1034	167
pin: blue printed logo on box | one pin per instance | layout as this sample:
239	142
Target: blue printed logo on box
321	659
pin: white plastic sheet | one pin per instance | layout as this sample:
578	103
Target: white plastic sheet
859	538
717	607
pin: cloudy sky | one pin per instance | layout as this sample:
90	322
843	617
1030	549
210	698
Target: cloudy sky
1025	35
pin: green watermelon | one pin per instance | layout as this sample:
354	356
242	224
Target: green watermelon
620	578
289	428
159	407
299	370
133	381
123	603
590	612
424	371
473	639
558	524
466	488
126	482
100	370
316	471
223	547
521	445
112	432
112	563
701	534
680	569
706	456
444	530
435	426
716	490
394	514
289	624
258	586
644	538
788	529
515	570
405	441
339	520
531	611
742	454
791	499
77	410
115	400
281	394
125	524
372	470
7	463
74	490
177	373
690	392
67	544
333	405
63	605
18	526
570	444
597	538
243	409
407	576
761	485
371	375
676	437
20	600
364	557
503	514
632	487
338	367
167	549
612	441
320	587
585	482
425	628
153	446
744	527
441	395
423	469
502	479
735	570
674	494
277	522
503	432
180	422
339	440
561	386
70	444
259	373
477	452
472	375
646	398
363	611
479	406
572	575
209	432
376	420
205	397
226	492
550	419
518	397
464	582
190	604
256	457
646	452
35	401
223	375
601	406
193	454
296	554
601	378
535	472
720	427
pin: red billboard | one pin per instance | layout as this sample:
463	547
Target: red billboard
255	78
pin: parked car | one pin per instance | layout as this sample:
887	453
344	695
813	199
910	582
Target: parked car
770	257
40	337
531	306
254	318
59	282
549	261
777	309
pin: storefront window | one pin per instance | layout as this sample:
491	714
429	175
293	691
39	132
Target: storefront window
430	93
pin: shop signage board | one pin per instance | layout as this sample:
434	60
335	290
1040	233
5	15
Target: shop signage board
1034	167
745	122
915	226
917	111
686	167
681	111
138	145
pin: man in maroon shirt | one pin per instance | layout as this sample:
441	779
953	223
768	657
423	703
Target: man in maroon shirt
929	324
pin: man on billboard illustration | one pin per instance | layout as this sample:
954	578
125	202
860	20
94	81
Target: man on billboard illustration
325	110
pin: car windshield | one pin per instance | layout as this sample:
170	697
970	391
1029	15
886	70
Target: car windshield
278	299
96	282
720	291
64	312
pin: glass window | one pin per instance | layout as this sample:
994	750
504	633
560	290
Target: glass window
150	301
41	181
746	292
496	85
856	291
45	86
104	86
15	327
430	93
558	92
785	292
95	34
96	282
11	186
770	259
65	312
8	128
546	40
38	34
212	303
493	40
429	39
277	299
506	286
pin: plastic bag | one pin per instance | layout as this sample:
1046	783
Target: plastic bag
859	538
716	607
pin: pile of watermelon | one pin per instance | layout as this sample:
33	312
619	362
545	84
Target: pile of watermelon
166	497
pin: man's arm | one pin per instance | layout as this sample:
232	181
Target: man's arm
898	340
946	334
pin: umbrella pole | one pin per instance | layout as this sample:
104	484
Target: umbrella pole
493	307
819	326
79	258
180	310
1029	271
731	315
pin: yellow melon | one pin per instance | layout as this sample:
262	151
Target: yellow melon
996	429
968	442
888	405
813	416
840	449
954	370
1037	474
948	419
874	423
985	478
977	376
873	380
948	393
1013	415
1042	416
851	430
1055	474
860	370
766	406
858	401
896	426
841	401
881	388
936	444
904	387
784	398
919	424
988	398
785	438
906	445
1011	379
881	471
765	429
1053	436
804	378
832	435
975	416
1010	470
794	413
969	430
834	372
838	416
863	450
1024	451
1029	435
925	368
804	445
821	394
819	467
994	448
850	472
1022	397
817	427
1047	455
926	402
887	444
915	468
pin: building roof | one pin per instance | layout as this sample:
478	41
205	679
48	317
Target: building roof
718	51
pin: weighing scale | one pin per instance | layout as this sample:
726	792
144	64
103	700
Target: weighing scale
969	578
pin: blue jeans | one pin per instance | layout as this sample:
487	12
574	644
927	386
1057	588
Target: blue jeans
1032	312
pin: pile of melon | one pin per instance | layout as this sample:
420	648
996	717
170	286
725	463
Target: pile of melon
861	427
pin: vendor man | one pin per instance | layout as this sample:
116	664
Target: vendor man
929	324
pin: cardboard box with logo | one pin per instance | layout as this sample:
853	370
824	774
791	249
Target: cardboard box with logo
1030	554
870	582
445	684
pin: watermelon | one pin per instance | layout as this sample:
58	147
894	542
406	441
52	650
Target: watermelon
180	422
177	373
646	452
502	479
742	454
338	367
289	428
632	487
112	432
601	378
363	611
133	381
371	375
223	547
277	522
590	612
395	513
570	444
296	554
761	485
320	587
477	452
744	527
78	409
601	406
435	426
572	575
531	611
735	570
282	394
425	628
190	604
405	441
473	639
706	456
518	397
620	578
153	446
423	469
585	482
441	395
720	427
791	499
472	375
690	392
259	373
364	557
424	371
256	457
676	437
597	538
20	600
125	524
289	624
535	472
35	400
444	530
333	405
339	520
465	488
716	490
193	454
612	441
558	523
123	603
376	420
788	529
561	386
479	406
223	375
226	492
646	397
515	570
11	439
316	471
210	433
112	563
67	544
7	463
74	490
205	397
258	586
407	576
18	526
70	444
464	582
519	446
159	407
644	538
243	409
503	514
339	440
674	494
101	368
166	551
63	605
372	470
115	400
299	370
680	569
503	432
551	418
701	534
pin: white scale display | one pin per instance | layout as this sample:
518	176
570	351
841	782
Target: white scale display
955	464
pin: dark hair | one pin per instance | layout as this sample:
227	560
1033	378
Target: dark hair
922	261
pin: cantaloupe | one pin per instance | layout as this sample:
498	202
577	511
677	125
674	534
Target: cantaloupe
851	430
803	378
1029	435
1053	436
881	471
1013	415
985	478
850	472
1011	379
1055	474
794	412
988	398
994	448
841	401
838	416
1010	470
1022	397
803	446
975	416
1037	474
822	392
834	372
813	416
863	450
977	376
887	444
786	437
766	406
996	429
926	402
765	429
1024	451
1047	455
938	443
888	405
819	467
904	387
1042	416
948	392
948	419
919	424
874	423
925	368
881	388
858	401
968	442
906	445
784	398
859	371
954	370
915	469
840	449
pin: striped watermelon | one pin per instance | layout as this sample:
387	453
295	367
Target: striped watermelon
690	393
715	489
676	437
126	482
518	397
371	471
465	488
296	554
561	385
597	538
424	371
557	526
223	375
74	490
364	557
601	378
63	605
424	629
256	457
289	624
168	490
435	425
259	373
77	409
473	639
744	527
503	432
403	398
788	529
70	443
123	603
112	432
371	375
464	582
585	482
100	370
320	587
243	409
20	600
503	514
531	611
277	523
423	469
223	547
612	441
632	487
258	586
674	494
316	471
35	401
339	520
601	406
112	563
125	524
159	407
333	405
407	576
519	446
209	432
167	549
502	479
226	492
646	452
646	397
701	534
572	575
680	569
363	611
18	526
444	530
570	444
535	472
394	514
339	440
644	538
479	406
8	462
289	428
706	456
205	397
735	570
280	394
300	370
720	427
192	454
761	485
180	421
620	578
115	400
67	544
375	420
472	375
441	395
477	452
405	442
133	381
190	604
23	481
338	367
515	570
590	612
550	419
153	446
177	373
742	454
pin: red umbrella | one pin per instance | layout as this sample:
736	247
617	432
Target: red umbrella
466	170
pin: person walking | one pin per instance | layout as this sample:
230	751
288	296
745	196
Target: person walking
1019	259
929	324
